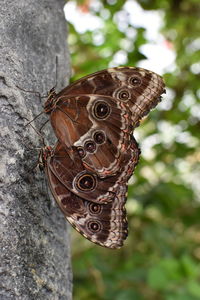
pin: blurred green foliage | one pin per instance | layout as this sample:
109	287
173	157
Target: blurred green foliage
161	257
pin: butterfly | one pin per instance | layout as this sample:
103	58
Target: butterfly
98	114
94	120
103	223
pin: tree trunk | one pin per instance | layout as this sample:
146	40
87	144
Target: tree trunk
35	259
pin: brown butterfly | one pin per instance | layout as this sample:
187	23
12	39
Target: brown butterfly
88	170
104	224
98	113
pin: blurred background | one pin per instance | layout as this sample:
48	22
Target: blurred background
161	257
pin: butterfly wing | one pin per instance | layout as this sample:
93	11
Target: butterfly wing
103	224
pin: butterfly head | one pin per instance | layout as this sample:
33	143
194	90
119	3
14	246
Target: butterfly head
51	101
43	156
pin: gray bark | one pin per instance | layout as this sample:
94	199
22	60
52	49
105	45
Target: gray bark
35	259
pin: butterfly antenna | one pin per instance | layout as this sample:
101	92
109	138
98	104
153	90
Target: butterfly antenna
56	71
33	118
43	125
27	91
38	132
24	142
39	96
32	92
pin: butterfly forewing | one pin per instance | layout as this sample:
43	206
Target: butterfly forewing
139	88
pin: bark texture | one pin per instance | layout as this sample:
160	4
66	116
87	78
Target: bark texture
35	259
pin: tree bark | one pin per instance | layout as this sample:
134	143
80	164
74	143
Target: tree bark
35	259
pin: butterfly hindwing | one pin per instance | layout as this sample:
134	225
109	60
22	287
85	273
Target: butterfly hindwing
103	224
